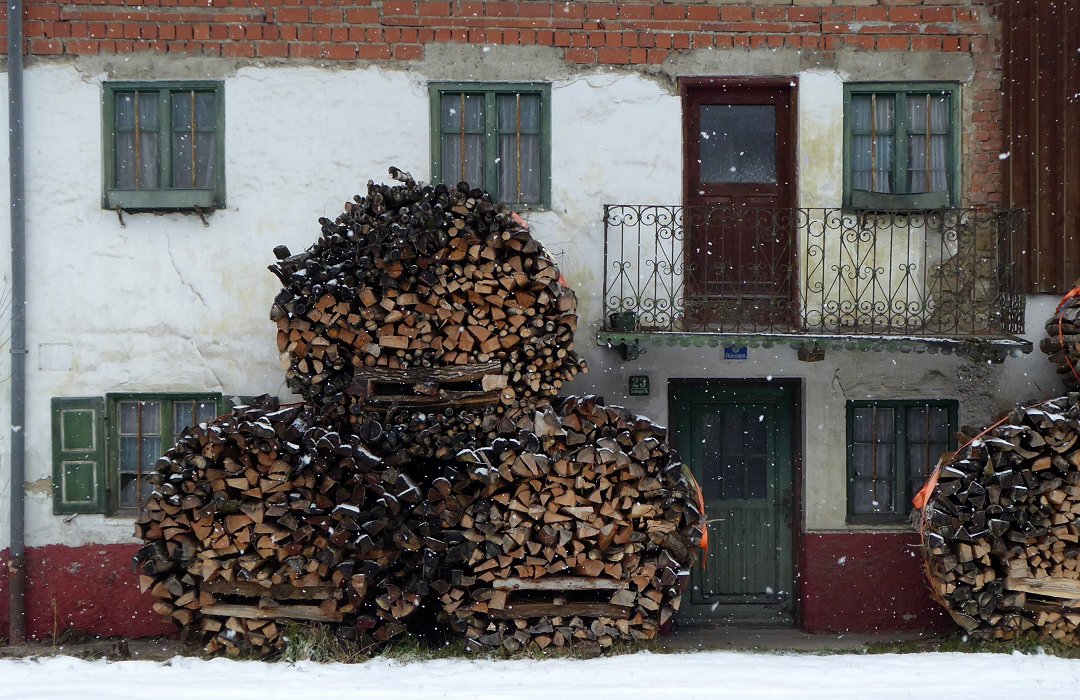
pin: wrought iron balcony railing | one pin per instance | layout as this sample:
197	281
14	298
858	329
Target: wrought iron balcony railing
745	270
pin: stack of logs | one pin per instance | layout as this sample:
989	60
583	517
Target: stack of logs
1002	527
414	276
573	525
432	482
1062	342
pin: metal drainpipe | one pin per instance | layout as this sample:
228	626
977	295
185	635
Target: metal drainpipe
17	563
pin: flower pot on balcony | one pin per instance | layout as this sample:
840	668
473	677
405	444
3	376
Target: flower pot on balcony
623	321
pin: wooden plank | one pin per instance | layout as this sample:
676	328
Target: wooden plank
1053	587
558	583
515	611
272	612
473	372
280	591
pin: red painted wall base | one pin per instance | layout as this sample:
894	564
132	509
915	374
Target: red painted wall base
91	589
848	583
866	582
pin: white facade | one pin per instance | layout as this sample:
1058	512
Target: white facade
164	303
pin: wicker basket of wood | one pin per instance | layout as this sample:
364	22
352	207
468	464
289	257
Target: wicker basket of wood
1001	526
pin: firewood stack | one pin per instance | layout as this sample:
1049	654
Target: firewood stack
415	277
1002	527
1062	342
432	481
579	533
266	516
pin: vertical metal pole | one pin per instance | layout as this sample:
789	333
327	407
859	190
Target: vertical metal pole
17	564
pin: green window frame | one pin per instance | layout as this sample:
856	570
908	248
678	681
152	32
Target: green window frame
141	427
903	137
490	133
163	145
93	437
892	445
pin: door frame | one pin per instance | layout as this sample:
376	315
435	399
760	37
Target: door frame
786	171
734	83
796	388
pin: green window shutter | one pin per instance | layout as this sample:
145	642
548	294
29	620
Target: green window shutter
79	481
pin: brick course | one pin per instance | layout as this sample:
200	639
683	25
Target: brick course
632	32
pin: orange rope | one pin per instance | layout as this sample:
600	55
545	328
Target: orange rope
923	495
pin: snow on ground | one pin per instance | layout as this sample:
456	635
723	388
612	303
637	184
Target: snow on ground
642	676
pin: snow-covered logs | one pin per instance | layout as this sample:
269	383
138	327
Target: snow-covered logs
1001	527
570	526
420	277
1062	342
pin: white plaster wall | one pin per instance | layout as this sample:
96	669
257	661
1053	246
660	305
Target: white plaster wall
166	303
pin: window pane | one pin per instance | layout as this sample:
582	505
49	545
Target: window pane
183	104
129	455
151	417
207	410
204	158
124	106
135	140
183	416
129	417
872	142
518	162
147	157
916	424
205	110
738	143
518	113
928	126
182	156
462	140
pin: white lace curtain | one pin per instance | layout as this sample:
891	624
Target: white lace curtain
873	143
517	130
137	131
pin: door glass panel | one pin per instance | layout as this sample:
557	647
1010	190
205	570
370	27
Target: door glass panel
738	144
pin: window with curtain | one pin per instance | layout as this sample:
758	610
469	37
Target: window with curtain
892	448
164	145
145	426
493	136
901	146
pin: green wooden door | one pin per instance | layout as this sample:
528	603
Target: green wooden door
737	440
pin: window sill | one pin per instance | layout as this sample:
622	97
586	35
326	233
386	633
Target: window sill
162	200
861	200
889	522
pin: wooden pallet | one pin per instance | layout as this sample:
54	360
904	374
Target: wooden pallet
560	596
252	600
381	388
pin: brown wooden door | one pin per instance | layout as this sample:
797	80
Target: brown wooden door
739	192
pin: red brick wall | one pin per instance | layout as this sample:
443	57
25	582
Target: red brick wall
585	33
